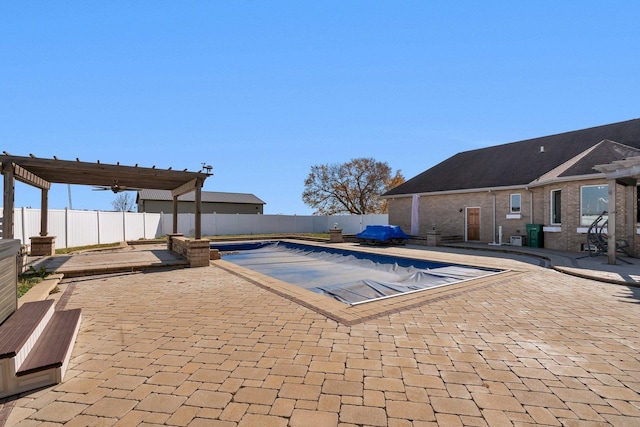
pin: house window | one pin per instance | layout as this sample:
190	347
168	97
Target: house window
515	204
594	200
556	207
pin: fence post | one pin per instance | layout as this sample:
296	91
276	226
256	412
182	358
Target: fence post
24	228
66	227
98	222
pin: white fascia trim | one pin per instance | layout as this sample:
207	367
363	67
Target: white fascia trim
532	184
464	191
589	177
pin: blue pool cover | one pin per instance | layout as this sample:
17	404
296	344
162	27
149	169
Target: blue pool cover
348	276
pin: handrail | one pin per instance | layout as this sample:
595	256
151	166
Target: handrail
596	236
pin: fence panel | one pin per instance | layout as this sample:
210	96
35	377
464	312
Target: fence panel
80	228
57	226
111	229
133	226
152	225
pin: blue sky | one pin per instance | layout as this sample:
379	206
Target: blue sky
263	90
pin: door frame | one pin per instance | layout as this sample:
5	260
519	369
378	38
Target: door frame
466	222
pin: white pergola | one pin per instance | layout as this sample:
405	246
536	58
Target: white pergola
627	173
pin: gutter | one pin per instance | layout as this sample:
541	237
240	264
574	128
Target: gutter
532	184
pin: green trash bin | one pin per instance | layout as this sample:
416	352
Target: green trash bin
535	235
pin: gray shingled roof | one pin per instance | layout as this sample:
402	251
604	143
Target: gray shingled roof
207	197
520	163
606	152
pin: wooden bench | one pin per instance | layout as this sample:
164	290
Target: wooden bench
451	239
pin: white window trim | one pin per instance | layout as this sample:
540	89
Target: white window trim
586	227
511	211
514	216
551	206
552	229
585	230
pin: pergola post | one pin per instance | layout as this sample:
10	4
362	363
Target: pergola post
631	219
611	224
44	212
8	200
175	215
198	210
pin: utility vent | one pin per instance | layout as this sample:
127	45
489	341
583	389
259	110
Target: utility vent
516	241
542	148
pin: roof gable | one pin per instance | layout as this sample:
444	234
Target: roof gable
583	164
604	152
517	163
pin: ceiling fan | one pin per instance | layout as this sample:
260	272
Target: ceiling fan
115	187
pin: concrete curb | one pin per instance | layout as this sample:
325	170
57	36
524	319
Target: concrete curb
41	290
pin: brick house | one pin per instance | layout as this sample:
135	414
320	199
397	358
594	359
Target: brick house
490	195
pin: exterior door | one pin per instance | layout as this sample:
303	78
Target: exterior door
473	224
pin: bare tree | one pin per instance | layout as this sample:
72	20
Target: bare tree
354	187
123	202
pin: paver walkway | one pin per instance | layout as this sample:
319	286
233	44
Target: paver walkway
203	347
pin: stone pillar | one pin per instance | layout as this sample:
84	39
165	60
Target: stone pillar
43	245
198	253
170	237
433	238
335	235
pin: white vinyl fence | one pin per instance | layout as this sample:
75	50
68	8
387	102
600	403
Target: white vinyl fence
80	228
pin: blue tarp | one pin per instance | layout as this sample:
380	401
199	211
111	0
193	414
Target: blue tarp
382	234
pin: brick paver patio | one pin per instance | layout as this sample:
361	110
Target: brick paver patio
204	347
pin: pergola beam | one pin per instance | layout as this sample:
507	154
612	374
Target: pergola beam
185	188
30	178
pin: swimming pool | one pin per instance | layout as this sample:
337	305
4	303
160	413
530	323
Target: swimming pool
351	277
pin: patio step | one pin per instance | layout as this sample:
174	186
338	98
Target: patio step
22	329
36	343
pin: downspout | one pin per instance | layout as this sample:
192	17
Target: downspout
530	205
494	216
